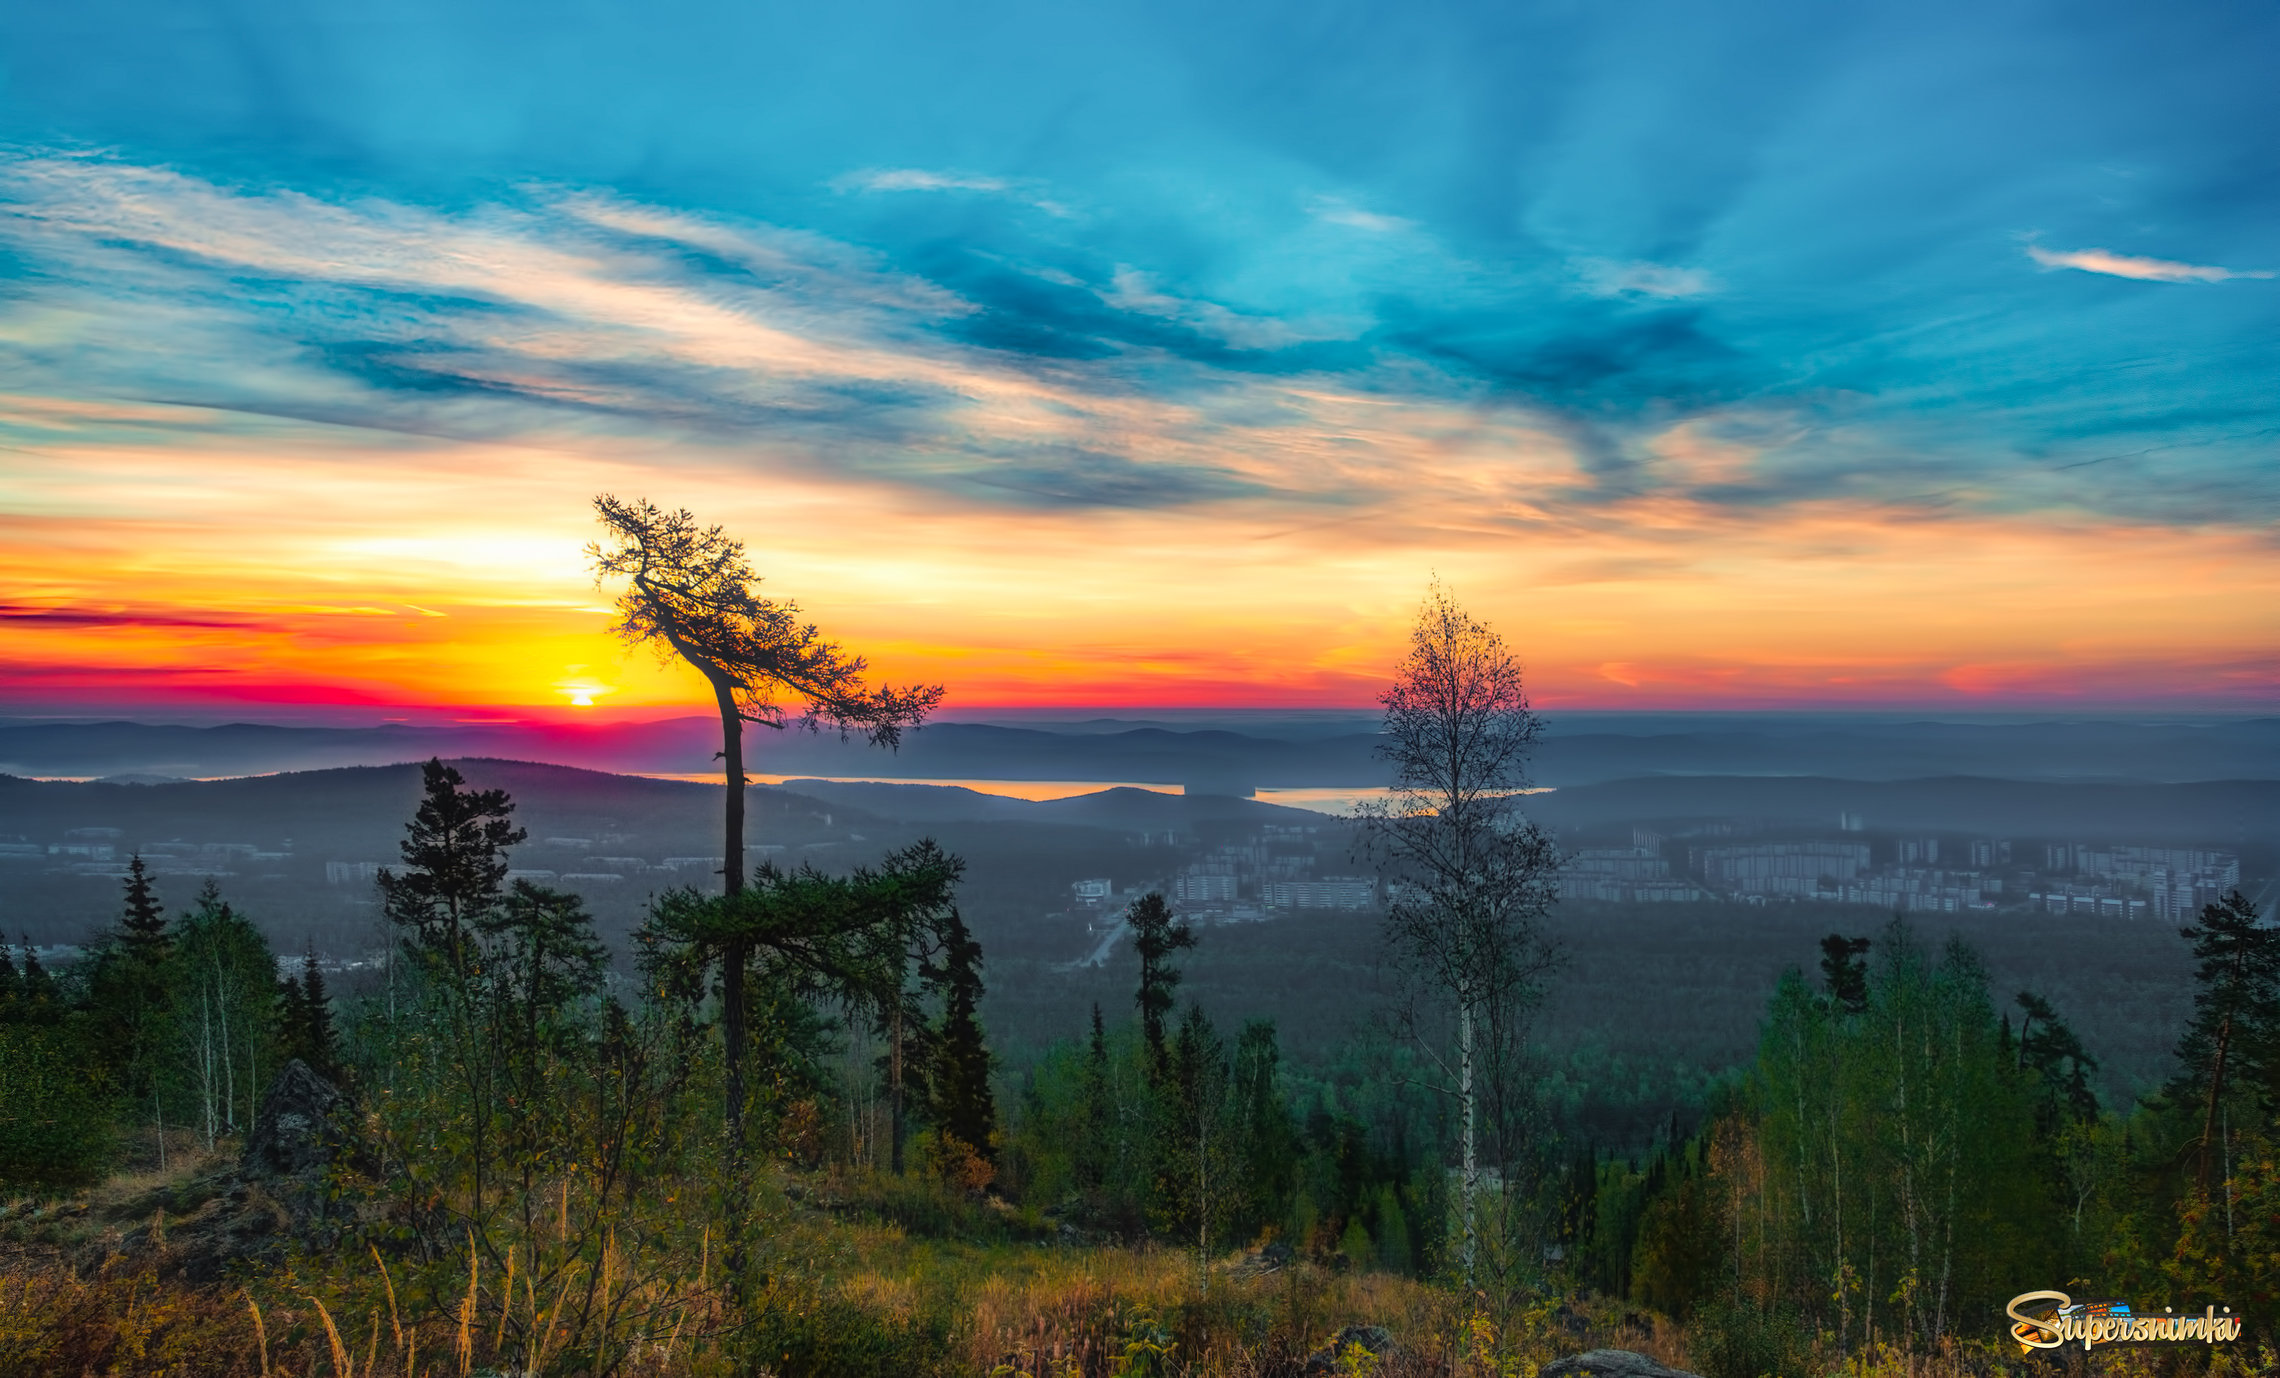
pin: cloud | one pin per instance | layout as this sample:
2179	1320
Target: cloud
1333	211
1607	278
919	179
119	619
2140	269
1132	290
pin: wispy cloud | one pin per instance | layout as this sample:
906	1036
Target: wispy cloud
1331	210
920	179
1608	278
2141	269
923	179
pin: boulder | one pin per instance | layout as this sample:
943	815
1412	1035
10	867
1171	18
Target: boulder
1608	1363
1271	1257
298	1133
1372	1338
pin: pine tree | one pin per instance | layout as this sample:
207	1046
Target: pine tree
455	863
143	927
2236	1016
126	988
960	1102
306	1016
1844	967
11	986
2054	1053
1156	935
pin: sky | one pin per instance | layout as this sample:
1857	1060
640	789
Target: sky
1881	356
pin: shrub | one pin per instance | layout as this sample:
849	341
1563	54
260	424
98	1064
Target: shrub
54	1129
1745	1341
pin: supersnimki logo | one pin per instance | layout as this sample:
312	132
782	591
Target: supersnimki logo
2046	1320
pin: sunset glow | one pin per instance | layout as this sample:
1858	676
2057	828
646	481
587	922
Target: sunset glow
1193	434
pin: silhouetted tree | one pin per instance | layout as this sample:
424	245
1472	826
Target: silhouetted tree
958	1071
691	591
1844	966
1156	935
306	1019
454	852
2054	1053
1468	878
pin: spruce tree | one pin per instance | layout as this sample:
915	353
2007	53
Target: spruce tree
11	986
307	1019
1156	935
961	1104
126	988
142	928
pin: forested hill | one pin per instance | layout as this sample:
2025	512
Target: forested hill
1577	749
363	808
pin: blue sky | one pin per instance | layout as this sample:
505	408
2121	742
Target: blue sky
1980	264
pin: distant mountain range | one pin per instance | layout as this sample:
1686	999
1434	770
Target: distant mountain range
1577	750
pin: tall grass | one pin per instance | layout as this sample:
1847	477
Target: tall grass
844	1293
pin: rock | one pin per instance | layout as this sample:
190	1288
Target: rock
1608	1363
1271	1257
298	1133
1372	1338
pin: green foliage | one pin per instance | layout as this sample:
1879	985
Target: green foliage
1744	1340
125	1005
28	994
831	1336
2229	1057
55	1122
1146	1346
222	1018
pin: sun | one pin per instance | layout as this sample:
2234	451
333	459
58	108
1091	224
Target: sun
580	691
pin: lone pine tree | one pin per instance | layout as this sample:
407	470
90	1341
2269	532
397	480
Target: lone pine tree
1156	935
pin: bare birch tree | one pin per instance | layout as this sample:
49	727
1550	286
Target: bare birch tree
1468	878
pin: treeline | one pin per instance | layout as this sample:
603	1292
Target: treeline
164	1023
1907	1153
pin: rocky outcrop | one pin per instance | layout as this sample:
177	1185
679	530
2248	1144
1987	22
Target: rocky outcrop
299	1133
278	1197
1608	1363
